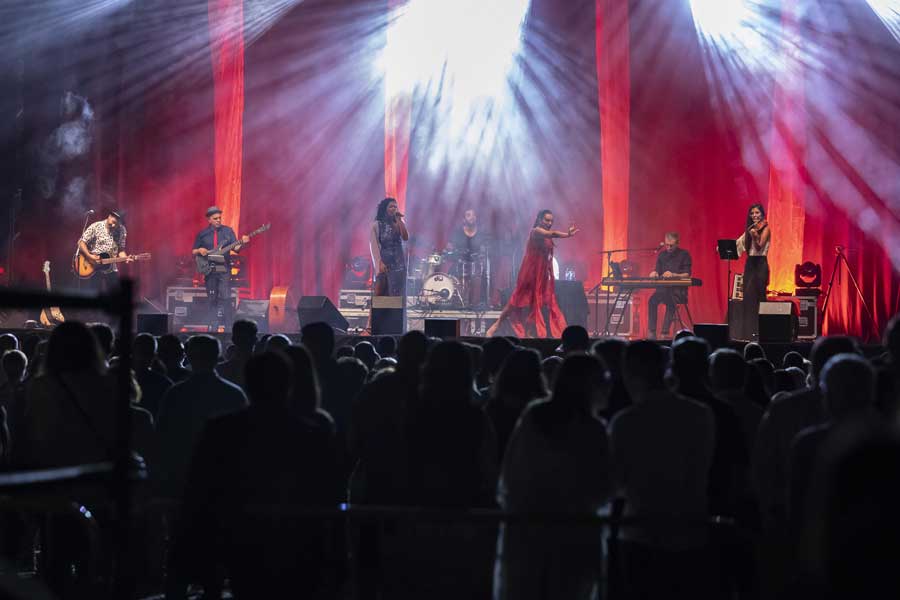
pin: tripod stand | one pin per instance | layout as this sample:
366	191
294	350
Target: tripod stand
841	257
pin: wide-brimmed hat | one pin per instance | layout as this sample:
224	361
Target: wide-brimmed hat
212	210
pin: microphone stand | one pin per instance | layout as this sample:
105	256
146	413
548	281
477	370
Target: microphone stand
841	257
87	216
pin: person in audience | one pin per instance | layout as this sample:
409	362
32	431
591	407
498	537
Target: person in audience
153	385
277	341
365	352
793	359
262	455
262	342
753	350
887	398
611	350
519	382
385	363
387	346
784	380
305	398
661	451
782	421
105	337
453	464
170	351
575	338
550	367
557	461
728	475
8	341
853	534
318	338
682	333
848	387
760	381
345	351
187	406
243	336
495	352
14	364
727	372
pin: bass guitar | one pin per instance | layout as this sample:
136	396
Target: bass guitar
215	259
50	316
85	269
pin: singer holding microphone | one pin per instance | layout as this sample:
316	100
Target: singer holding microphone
386	244
672	262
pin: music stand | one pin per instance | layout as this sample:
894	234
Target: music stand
728	252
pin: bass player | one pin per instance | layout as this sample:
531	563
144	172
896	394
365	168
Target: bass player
218	280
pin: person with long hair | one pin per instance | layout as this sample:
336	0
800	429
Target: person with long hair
386	244
755	242
535	288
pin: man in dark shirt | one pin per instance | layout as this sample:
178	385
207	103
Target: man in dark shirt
470	247
672	263
218	281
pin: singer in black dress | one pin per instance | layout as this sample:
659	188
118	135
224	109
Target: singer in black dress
386	244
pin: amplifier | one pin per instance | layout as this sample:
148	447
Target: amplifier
808	317
189	306
359	299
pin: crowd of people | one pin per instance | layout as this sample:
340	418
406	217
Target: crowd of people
797	456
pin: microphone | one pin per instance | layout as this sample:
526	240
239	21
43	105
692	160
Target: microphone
90	211
660	247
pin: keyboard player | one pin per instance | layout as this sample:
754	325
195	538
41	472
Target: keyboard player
673	262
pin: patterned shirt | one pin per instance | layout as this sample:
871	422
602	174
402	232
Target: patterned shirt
99	239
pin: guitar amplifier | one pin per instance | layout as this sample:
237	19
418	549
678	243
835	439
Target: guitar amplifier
189	306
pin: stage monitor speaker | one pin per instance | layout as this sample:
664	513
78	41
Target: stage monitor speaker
572	302
777	322
256	311
320	309
387	315
153	323
714	333
442	328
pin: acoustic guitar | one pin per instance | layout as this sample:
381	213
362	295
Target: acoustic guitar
50	316
215	259
85	269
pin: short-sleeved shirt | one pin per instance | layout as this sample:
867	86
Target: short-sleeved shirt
99	239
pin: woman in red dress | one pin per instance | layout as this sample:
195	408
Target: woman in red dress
534	287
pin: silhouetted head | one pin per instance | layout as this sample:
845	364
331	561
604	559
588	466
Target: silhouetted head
8	341
611	350
105	337
365	352
682	333
644	367
892	339
575	338
411	350
848	384
243	334
277	341
826	347
387	346
753	350
143	350
727	370
690	362
170	349
72	347
550	366
203	353
14	364
344	351
520	378
495	352
447	381
318	338
793	359
581	389
268	380
306	395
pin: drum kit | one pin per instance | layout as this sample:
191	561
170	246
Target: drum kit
450	279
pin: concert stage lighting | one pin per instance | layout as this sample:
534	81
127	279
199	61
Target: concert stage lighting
808	275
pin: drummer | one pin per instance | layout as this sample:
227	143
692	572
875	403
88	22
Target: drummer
467	243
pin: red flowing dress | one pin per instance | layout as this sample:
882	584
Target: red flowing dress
535	290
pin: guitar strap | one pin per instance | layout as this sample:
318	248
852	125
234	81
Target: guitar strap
215	239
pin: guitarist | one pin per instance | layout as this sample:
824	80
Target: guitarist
106	236
218	282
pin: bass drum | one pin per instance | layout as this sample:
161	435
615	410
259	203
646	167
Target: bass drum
440	289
